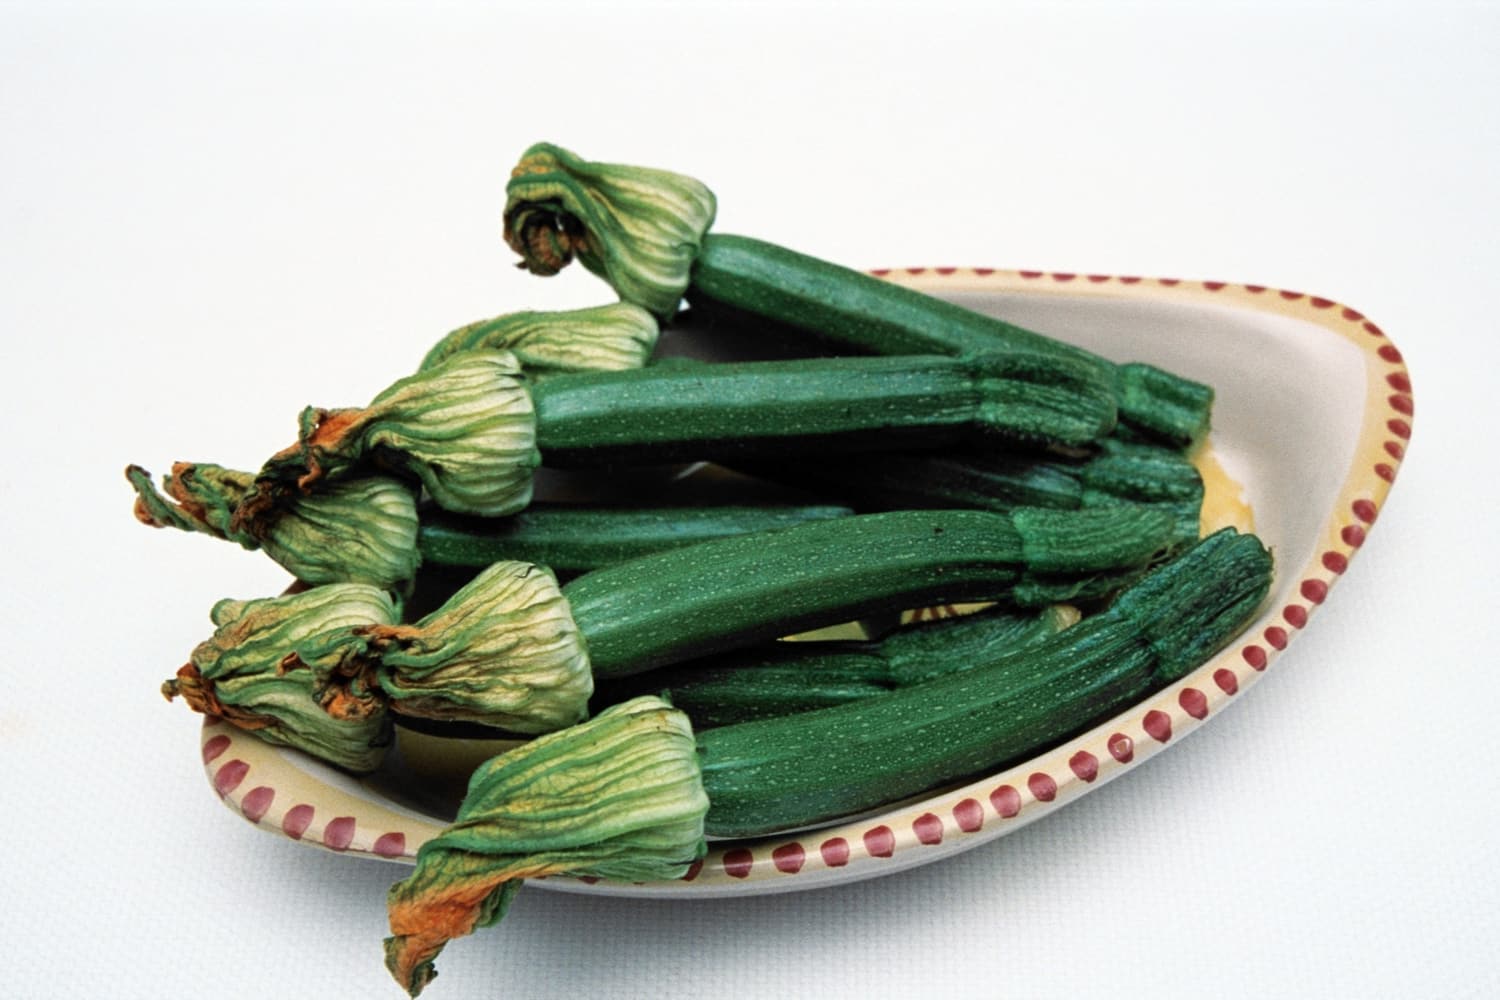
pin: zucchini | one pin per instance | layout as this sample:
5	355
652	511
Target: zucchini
816	766
632	793
472	429
647	233
788	677
577	538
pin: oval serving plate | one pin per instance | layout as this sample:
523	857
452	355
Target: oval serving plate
1311	419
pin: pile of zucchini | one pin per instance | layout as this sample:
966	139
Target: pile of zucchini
905	454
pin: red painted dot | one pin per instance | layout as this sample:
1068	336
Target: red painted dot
1063	276
1255	656
1085	765
1213	286
1389	353
257	802
1353	314
1255	289
1395	450
984	270
1006	800
1276	636
928	828
1373	330
946	270
789	858
1098	278
1321	303
1130	280
1042	787
694	870
738	862
1193	702
1290	296
1314	590
390	845
214	747
586	879
880	842
1170	282
1402	403
1030	274
230	776
1122	748
1228	683
1399	427
1385	472
339	833
1158	725
881	272
1365	510
969	815
835	852
297	820
916	270
1335	562
1295	615
1353	535
1398	381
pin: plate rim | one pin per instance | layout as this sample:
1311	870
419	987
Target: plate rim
237	764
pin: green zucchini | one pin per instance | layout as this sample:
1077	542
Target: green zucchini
647	233
577	538
787	677
816	766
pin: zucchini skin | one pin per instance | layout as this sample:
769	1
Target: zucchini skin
857	311
735	592
577	538
811	406
816	766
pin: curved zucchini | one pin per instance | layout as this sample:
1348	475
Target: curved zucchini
815	766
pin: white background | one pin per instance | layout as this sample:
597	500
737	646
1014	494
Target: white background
213	216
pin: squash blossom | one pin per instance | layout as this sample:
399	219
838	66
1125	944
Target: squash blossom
260	671
603	338
465	429
638	228
504	651
618	797
356	531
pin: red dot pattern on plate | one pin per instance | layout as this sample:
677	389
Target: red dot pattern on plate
229	777
835	852
1255	289
339	833
1314	590
1042	787
1213	286
390	845
1193	702
1353	535
693	871
1158	725
1389	353
1255	656
738	862
1395	449
1402	404
1399	381
1276	636
297	820
1335	562
1365	510
928	828
1385	472
1122	748
1295	615
257	802
1228	683
1085	765
969	815
789	858
1006	800
1399	427
1318	302
880	842
214	747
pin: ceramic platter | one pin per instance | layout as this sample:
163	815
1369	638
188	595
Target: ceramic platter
1312	416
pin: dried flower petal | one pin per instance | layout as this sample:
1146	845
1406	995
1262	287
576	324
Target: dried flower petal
638	228
620	797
